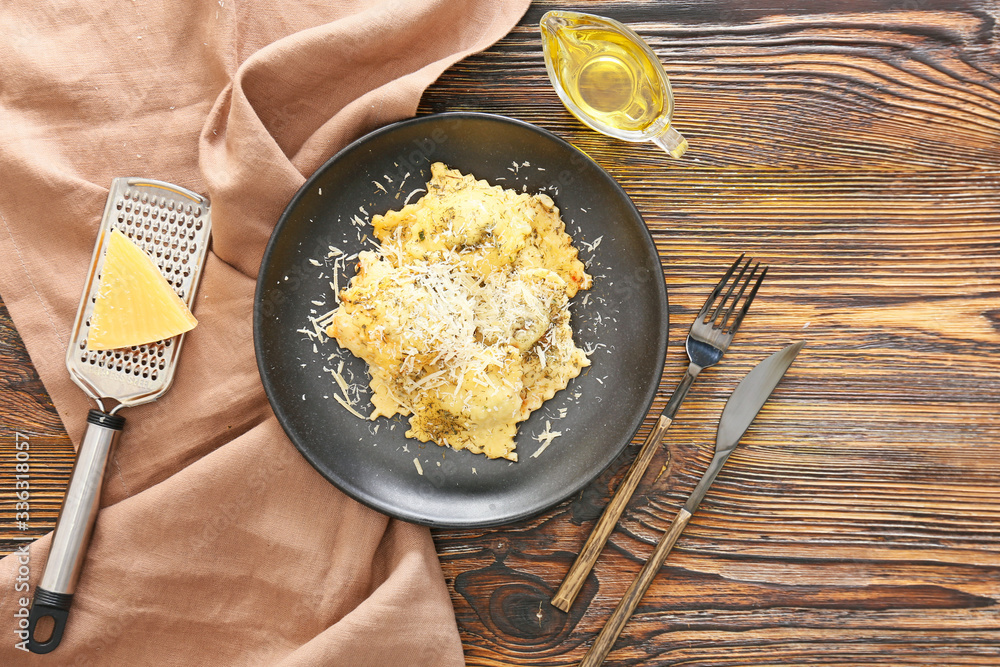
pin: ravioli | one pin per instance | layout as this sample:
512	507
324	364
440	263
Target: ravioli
461	312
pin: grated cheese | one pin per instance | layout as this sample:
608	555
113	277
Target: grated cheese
545	437
347	406
341	382
410	196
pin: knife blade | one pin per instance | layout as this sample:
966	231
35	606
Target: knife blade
740	411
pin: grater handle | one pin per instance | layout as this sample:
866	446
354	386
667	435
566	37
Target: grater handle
73	529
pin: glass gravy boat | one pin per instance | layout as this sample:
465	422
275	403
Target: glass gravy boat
610	79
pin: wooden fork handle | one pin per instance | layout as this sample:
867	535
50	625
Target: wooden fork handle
577	574
619	617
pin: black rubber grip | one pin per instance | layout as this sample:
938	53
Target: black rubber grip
46	603
99	418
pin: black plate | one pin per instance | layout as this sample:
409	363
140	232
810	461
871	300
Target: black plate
623	319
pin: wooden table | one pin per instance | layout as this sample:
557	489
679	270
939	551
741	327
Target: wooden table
858	153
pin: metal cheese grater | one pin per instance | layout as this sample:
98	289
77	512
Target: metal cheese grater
172	225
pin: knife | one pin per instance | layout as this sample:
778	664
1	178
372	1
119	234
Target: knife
741	408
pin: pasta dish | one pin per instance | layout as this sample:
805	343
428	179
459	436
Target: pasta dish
461	312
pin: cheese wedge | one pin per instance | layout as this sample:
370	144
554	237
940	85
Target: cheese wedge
135	303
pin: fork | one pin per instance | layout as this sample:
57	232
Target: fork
709	338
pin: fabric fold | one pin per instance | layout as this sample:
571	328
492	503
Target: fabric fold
217	543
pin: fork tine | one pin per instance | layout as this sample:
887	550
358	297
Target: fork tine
746	304
729	292
743	286
718	288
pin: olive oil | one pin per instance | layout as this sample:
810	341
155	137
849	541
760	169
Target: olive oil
609	78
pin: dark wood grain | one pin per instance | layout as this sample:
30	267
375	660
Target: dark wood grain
858	153
591	550
29	419
605	641
855	147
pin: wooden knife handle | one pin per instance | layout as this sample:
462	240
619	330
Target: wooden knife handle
619	617
577	574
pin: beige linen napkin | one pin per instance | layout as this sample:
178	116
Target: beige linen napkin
217	543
